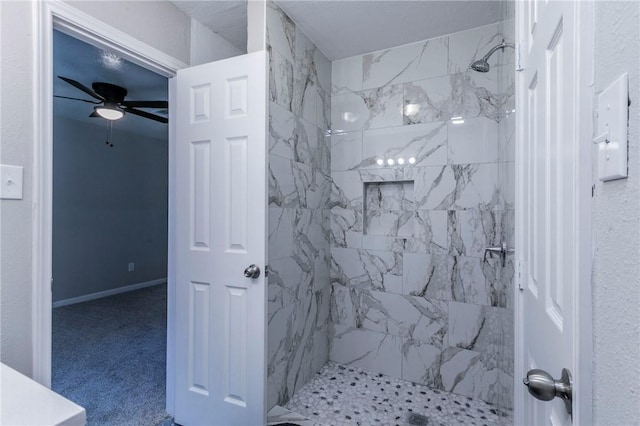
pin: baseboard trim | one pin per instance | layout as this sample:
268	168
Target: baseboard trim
107	293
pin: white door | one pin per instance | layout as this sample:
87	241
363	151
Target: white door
220	315
552	225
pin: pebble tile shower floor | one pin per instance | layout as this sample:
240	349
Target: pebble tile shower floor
348	396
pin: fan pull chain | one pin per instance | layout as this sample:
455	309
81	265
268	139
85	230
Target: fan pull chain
109	133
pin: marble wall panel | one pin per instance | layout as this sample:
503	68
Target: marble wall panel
369	350
408	237
402	64
368	109
425	143
299	216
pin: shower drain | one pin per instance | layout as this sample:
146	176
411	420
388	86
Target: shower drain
418	419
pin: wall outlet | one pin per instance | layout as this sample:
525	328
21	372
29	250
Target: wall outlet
132	266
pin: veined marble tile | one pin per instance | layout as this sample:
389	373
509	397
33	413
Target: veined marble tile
465	95
321	348
386	174
471	279
430	228
474	141
323	111
289	182
457	187
388	196
310	146
507	144
345	302
481	328
504	298
394	244
368	109
435	187
471	231
282	135
347	190
281	80
309	237
367	269
281	31
412	62
280	232
346	75
346	228
375	352
305	97
395	314
346	151
476	375
323	70
421	363
428	276
389	223
468	46
476	186
294	348
425	143
508	183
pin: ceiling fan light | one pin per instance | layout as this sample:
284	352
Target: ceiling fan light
109	113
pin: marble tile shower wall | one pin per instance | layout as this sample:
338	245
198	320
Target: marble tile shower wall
416	197
299	188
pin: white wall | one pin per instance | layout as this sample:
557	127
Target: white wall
616	221
207	46
109	208
157	23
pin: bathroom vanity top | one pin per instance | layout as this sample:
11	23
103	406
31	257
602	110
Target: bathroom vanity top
23	401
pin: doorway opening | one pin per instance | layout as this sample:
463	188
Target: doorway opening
109	251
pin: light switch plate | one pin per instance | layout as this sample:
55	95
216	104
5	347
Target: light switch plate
613	107
10	182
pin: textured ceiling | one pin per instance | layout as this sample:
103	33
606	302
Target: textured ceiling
86	64
348	28
226	18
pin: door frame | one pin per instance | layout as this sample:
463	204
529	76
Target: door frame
582	368
50	15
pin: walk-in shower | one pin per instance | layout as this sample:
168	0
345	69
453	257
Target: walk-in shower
482	65
390	174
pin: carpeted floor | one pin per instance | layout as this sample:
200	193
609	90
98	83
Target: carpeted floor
109	356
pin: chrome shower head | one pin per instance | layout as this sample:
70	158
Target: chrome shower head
482	65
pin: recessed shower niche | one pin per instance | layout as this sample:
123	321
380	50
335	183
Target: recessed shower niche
389	209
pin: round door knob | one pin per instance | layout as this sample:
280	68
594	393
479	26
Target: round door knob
253	271
542	386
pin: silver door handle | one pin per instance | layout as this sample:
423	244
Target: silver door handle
543	387
253	271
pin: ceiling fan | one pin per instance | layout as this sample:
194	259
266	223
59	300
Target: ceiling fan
111	104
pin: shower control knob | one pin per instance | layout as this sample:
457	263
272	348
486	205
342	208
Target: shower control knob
253	271
542	386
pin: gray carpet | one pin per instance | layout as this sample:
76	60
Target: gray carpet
109	356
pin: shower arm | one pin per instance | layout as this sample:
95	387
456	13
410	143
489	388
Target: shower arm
499	46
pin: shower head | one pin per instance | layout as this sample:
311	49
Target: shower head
482	65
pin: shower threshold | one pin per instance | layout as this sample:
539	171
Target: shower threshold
342	395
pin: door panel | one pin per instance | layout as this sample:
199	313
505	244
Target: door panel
220	230
546	237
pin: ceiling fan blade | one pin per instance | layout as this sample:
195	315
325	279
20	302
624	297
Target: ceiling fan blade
77	99
94	115
145	104
80	86
146	115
